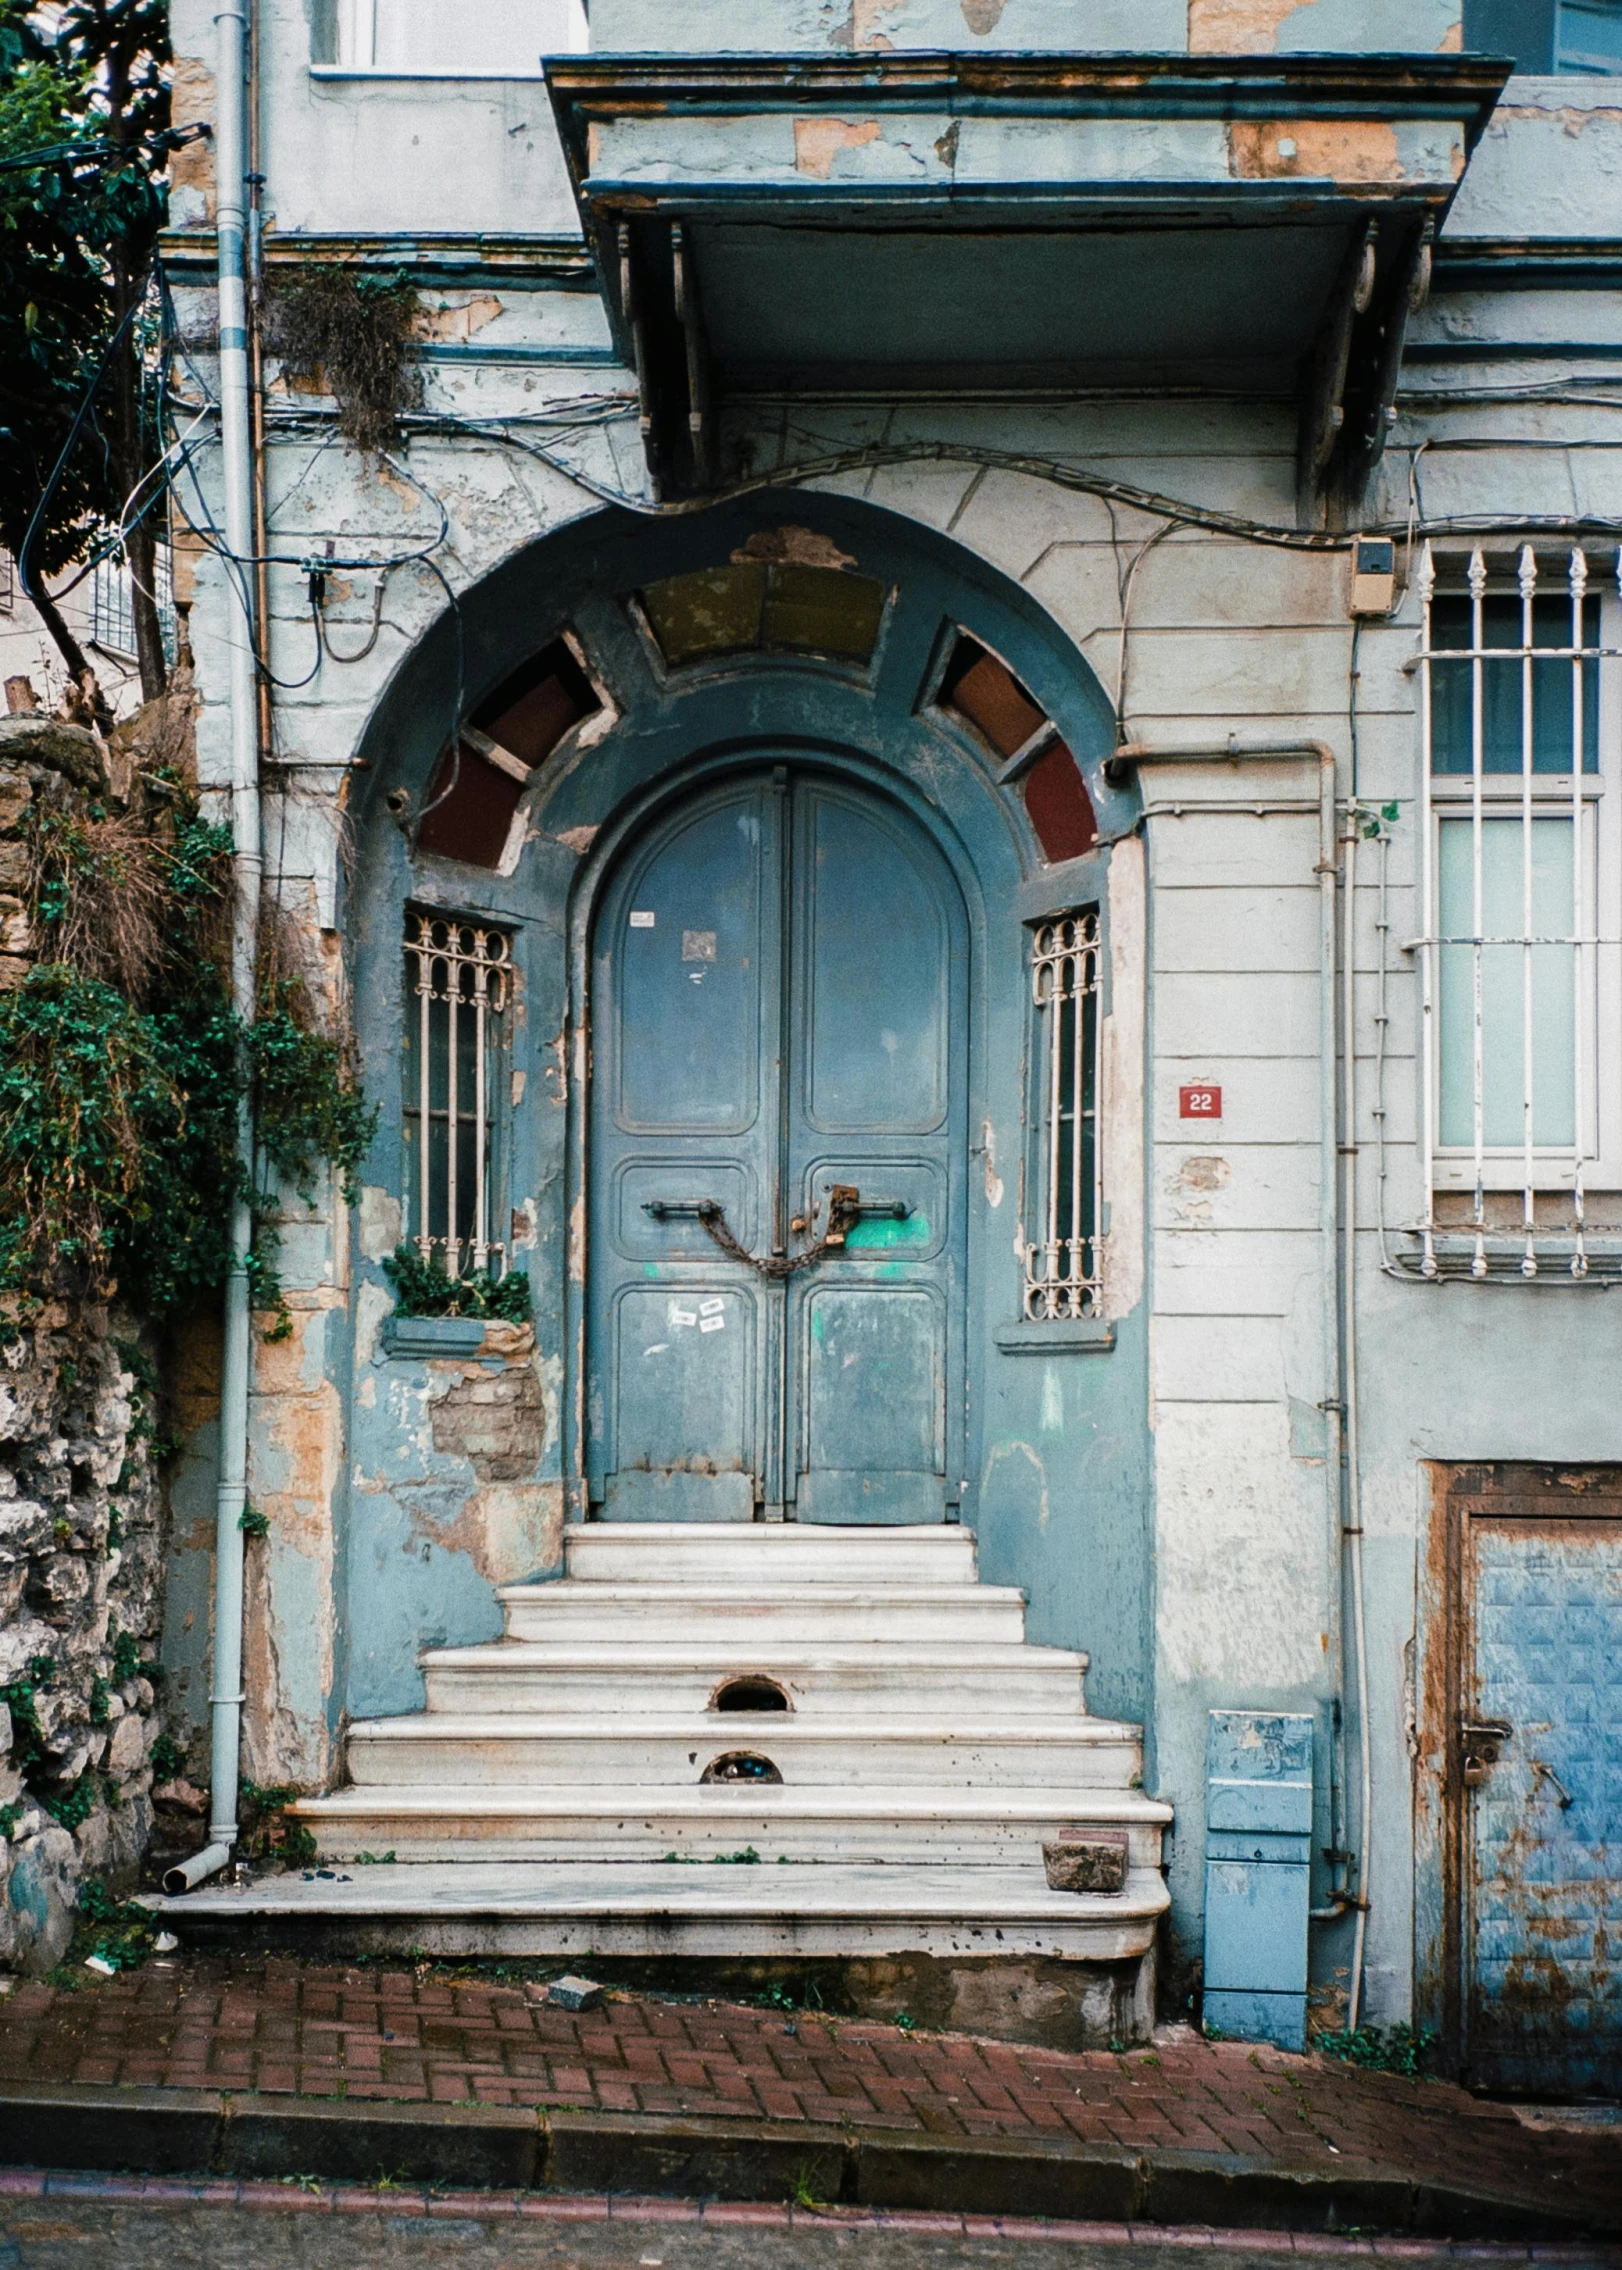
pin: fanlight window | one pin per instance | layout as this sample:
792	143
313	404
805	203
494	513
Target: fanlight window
980	690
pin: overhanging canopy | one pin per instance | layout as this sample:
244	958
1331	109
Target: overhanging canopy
1016	223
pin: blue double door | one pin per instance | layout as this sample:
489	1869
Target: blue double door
780	978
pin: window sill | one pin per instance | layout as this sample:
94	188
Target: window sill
523	75
433	1335
1078	1335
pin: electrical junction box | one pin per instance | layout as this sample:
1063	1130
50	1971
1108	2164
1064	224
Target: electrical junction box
1258	1870
1374	575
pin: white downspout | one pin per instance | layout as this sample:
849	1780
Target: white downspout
1338	1302
230	159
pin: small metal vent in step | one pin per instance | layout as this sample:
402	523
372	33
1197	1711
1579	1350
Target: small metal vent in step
740	1765
750	1693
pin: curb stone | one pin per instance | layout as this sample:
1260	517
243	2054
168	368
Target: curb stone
181	2132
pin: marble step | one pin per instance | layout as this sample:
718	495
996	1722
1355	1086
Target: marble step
1029	1752
763	1617
771	1553
608	1909
573	1822
518	1675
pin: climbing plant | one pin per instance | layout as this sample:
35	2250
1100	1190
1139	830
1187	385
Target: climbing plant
122	1063
350	333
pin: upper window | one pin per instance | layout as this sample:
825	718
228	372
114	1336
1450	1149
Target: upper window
458	37
1582	37
1522	889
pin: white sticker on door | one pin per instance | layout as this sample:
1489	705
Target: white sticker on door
642	918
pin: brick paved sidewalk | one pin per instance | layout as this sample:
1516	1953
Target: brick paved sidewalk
279	2027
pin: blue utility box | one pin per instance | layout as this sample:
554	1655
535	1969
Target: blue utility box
1258	1873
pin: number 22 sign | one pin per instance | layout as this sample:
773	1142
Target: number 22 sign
1199	1103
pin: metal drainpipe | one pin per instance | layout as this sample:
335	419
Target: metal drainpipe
1339	1254
230	194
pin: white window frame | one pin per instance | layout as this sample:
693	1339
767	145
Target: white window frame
1064	1255
1544	1238
356	31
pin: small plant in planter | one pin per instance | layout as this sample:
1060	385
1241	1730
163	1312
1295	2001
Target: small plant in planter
424	1287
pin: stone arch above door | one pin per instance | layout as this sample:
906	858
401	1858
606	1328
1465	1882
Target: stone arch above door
638	656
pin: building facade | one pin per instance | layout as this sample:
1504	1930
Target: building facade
961	775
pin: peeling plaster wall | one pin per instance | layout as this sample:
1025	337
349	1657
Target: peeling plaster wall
1167	1504
1240	27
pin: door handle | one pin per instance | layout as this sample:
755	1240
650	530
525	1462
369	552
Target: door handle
1480	1740
666	1209
1548	1774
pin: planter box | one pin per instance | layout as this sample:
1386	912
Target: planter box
433	1335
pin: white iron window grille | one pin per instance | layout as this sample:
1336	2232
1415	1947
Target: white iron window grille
112	604
1063	1263
1521	898
8	583
458	984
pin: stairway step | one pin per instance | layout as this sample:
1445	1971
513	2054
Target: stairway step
1032	1751
575	1822
625	1909
771	1616
771	1553
641	1676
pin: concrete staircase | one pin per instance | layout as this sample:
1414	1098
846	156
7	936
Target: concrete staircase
884	1816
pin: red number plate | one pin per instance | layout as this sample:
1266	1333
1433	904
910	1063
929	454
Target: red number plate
1199	1103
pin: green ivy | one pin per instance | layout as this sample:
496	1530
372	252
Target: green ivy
126	1657
167	1760
422	1287
119	1108
70	1808
1400	2048
27	1735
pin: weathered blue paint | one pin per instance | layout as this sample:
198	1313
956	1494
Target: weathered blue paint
1054	1454
1258	1873
780	978
1544	1920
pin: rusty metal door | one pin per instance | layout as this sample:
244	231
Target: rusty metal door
1536	1779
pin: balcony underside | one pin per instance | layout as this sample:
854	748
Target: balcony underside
1016	224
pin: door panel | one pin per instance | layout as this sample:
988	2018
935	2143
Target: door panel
1543	1978
683	1418
779	1008
687	980
877	1102
685	1000
876	972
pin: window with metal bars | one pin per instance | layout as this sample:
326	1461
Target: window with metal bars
1519	944
1063	1247
458	987
112	604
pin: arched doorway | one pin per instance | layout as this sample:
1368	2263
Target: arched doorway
777	1160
